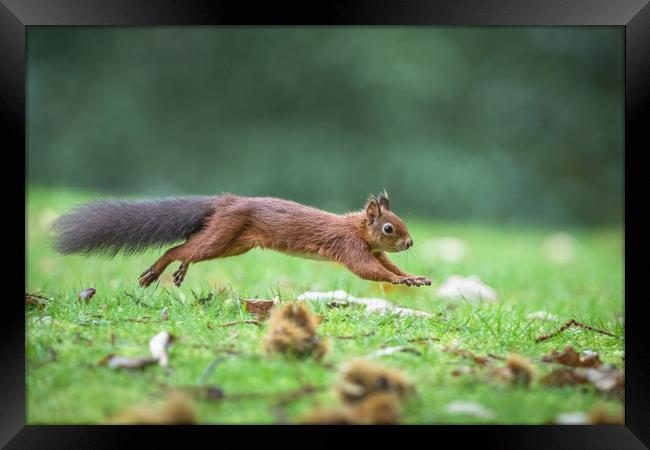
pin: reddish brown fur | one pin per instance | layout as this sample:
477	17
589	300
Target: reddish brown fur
356	240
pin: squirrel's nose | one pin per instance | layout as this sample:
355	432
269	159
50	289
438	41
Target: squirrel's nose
409	243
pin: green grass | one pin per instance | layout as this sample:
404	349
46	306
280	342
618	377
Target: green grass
71	388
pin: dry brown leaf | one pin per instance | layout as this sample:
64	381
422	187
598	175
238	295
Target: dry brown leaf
590	359
607	378
569	357
259	308
35	300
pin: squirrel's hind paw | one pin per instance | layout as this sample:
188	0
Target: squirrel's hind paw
179	275
148	277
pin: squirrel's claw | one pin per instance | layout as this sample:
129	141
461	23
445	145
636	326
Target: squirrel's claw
179	275
147	277
414	281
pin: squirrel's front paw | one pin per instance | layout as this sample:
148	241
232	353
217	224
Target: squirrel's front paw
424	280
414	281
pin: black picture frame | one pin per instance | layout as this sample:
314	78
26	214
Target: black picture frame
633	15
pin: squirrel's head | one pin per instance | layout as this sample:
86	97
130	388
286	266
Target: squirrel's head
386	231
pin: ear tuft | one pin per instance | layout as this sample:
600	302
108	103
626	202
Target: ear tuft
384	203
373	210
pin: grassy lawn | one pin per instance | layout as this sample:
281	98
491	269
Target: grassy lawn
66	339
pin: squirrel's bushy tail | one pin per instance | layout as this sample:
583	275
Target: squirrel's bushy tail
111	226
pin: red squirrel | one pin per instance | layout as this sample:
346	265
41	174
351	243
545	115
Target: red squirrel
229	225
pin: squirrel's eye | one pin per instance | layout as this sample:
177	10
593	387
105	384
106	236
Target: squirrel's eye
388	228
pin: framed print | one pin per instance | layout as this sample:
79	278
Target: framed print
359	215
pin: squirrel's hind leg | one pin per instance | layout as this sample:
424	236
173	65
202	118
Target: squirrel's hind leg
152	273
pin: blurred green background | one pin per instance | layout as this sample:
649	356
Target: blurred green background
498	125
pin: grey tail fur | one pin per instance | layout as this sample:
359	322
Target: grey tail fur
130	226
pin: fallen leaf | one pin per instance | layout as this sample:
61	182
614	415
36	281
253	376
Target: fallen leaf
126	362
590	359
375	305
323	296
86	294
569	357
469	288
606	378
158	347
35	300
470	409
259	308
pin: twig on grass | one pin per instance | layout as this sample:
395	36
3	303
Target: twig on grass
571	323
229	324
371	333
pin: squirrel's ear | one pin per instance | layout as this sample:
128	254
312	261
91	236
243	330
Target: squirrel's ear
373	211
383	201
